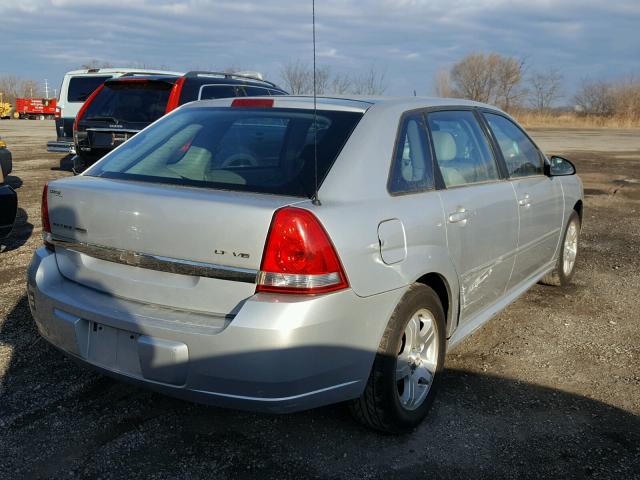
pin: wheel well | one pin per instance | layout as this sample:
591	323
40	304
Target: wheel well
440	286
578	208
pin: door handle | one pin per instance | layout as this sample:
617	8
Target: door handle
459	216
525	201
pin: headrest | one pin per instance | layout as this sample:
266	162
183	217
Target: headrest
445	145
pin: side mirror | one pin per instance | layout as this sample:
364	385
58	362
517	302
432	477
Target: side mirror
8	209
559	167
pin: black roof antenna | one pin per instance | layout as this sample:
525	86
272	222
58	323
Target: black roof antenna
315	200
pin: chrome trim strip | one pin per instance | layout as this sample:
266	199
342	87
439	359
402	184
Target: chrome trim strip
112	130
159	263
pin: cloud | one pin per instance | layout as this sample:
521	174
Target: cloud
411	39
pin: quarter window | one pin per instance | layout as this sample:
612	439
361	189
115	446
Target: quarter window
462	149
520	154
412	169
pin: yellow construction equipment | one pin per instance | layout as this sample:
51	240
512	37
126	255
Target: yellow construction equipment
5	108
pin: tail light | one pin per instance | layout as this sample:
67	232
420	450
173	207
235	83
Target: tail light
252	102
58	113
299	256
174	96
46	225
85	105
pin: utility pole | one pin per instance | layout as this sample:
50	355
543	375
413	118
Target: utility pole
46	88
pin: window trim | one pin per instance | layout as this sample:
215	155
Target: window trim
394	156
494	139
497	156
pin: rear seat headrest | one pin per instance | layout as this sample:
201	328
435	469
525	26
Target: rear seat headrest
445	145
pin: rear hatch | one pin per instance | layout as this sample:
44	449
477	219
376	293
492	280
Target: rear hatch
217	233
121	108
179	215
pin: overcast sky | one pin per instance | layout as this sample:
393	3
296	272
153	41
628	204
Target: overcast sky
408	39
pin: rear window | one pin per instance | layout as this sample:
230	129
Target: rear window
81	87
130	102
244	149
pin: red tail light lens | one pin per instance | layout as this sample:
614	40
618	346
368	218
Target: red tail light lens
299	256
253	102
174	96
46	225
85	105
58	113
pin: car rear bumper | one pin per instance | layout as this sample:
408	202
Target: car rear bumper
61	146
277	354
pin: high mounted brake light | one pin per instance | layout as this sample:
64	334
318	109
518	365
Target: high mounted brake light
44	213
85	105
299	256
174	96
252	102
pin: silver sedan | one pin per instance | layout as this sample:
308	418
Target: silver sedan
259	253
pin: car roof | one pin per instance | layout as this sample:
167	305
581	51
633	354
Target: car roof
356	103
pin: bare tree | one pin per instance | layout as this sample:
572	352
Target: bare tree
489	78
545	89
371	82
297	77
508	77
443	87
95	63
340	84
595	98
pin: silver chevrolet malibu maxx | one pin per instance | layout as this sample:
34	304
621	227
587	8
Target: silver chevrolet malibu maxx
257	253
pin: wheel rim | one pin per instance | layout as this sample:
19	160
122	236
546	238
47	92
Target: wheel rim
570	249
417	360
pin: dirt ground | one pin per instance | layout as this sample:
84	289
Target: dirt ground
548	388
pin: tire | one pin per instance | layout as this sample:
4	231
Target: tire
561	276
385	404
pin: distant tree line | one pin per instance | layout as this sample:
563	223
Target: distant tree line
12	87
507	82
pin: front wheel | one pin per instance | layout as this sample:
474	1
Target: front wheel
406	370
563	272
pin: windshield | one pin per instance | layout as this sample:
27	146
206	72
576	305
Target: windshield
258	150
134	102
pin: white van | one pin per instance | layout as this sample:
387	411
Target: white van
76	87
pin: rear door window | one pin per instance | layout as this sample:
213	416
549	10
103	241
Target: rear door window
130	102
520	154
80	88
412	167
462	149
257	150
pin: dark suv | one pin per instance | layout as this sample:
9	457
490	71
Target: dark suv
121	107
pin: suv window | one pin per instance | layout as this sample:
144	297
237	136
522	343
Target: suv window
208	92
520	154
257	150
461	147
412	168
130	101
81	87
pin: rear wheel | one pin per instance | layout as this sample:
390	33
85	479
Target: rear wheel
405	373
563	272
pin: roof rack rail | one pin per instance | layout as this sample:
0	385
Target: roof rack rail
132	73
240	76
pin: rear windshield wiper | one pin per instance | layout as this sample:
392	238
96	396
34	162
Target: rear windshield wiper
99	117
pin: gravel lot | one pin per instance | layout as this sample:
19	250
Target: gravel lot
550	387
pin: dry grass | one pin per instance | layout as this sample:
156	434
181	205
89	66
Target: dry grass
572	120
